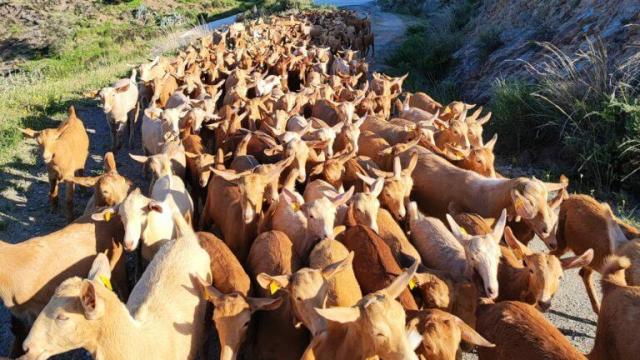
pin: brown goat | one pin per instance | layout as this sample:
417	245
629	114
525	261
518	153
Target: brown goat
64	151
110	188
521	332
584	223
374	264
533	277
275	335
616	335
44	262
442	333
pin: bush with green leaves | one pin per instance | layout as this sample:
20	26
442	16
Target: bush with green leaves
585	107
488	42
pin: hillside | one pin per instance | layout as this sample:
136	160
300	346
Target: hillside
498	36
561	78
39	29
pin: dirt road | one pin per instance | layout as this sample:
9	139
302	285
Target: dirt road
25	212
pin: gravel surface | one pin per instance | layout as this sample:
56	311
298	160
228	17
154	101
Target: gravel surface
25	212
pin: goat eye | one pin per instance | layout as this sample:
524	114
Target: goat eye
530	271
245	324
62	317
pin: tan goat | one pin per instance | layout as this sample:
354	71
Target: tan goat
229	293
584	223
519	331
442	333
397	186
121	105
110	188
44	262
533	277
64	151
375	326
275	335
163	318
618	317
309	288
437	184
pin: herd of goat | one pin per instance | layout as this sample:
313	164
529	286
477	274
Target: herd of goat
351	220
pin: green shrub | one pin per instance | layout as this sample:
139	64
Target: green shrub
582	107
488	42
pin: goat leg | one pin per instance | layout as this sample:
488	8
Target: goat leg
133	124
587	277
69	189
53	192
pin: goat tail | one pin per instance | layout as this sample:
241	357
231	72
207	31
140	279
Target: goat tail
613	271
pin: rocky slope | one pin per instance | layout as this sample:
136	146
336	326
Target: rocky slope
511	28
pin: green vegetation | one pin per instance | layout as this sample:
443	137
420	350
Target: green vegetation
583	110
95	53
488	42
427	51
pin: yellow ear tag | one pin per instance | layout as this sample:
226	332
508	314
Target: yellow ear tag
295	206
463	231
107	216
519	203
105	281
412	284
274	287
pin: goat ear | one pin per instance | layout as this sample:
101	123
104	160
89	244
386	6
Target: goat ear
474	116
524	208
412	164
110	162
273	283
123	88
484	119
492	143
139	158
397	167
29	133
86	181
257	304
343	198
101	270
577	261
226	174
519	249
498	230
341	315
366	179
400	283
471	336
377	187
105	214
456	229
209	292
555	186
317	170
155	206
273	150
92	304
330	271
